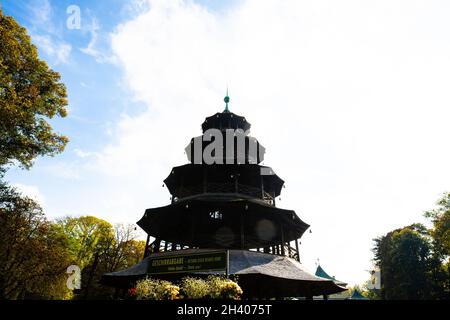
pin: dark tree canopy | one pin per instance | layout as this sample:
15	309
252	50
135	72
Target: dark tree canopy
410	267
402	257
30	94
33	252
440	217
440	234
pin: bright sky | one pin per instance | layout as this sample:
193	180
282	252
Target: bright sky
350	98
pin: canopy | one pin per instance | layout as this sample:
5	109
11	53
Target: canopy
321	273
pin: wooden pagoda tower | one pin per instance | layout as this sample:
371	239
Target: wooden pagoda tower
226	206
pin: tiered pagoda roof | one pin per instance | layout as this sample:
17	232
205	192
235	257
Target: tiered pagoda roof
230	205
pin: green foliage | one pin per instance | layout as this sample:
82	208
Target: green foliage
440	232
30	93
214	287
403	256
88	236
370	293
414	261
154	289
222	288
97	248
33	251
193	288
89	239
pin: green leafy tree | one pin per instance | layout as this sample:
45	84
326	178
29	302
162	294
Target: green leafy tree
33	253
403	257
414	262
89	239
440	233
97	248
121	252
30	93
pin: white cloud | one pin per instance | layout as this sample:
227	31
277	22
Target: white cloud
58	51
44	34
31	192
82	154
349	98
64	170
134	7
41	11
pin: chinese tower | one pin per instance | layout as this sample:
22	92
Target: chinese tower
224	201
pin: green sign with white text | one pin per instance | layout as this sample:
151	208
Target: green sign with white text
194	262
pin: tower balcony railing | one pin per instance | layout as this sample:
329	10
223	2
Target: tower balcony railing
163	246
211	187
279	250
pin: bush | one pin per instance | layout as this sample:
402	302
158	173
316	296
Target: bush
153	289
213	287
222	288
193	288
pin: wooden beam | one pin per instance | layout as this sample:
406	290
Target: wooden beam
282	240
262	187
146	246
298	251
242	232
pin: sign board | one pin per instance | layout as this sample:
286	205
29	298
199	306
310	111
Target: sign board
184	263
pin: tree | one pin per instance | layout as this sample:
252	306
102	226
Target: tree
440	233
403	257
415	261
88	237
123	252
97	248
30	93
33	253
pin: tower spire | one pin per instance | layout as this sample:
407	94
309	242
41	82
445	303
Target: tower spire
227	100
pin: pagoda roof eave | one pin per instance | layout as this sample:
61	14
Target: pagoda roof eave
190	175
283	276
188	222
225	120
